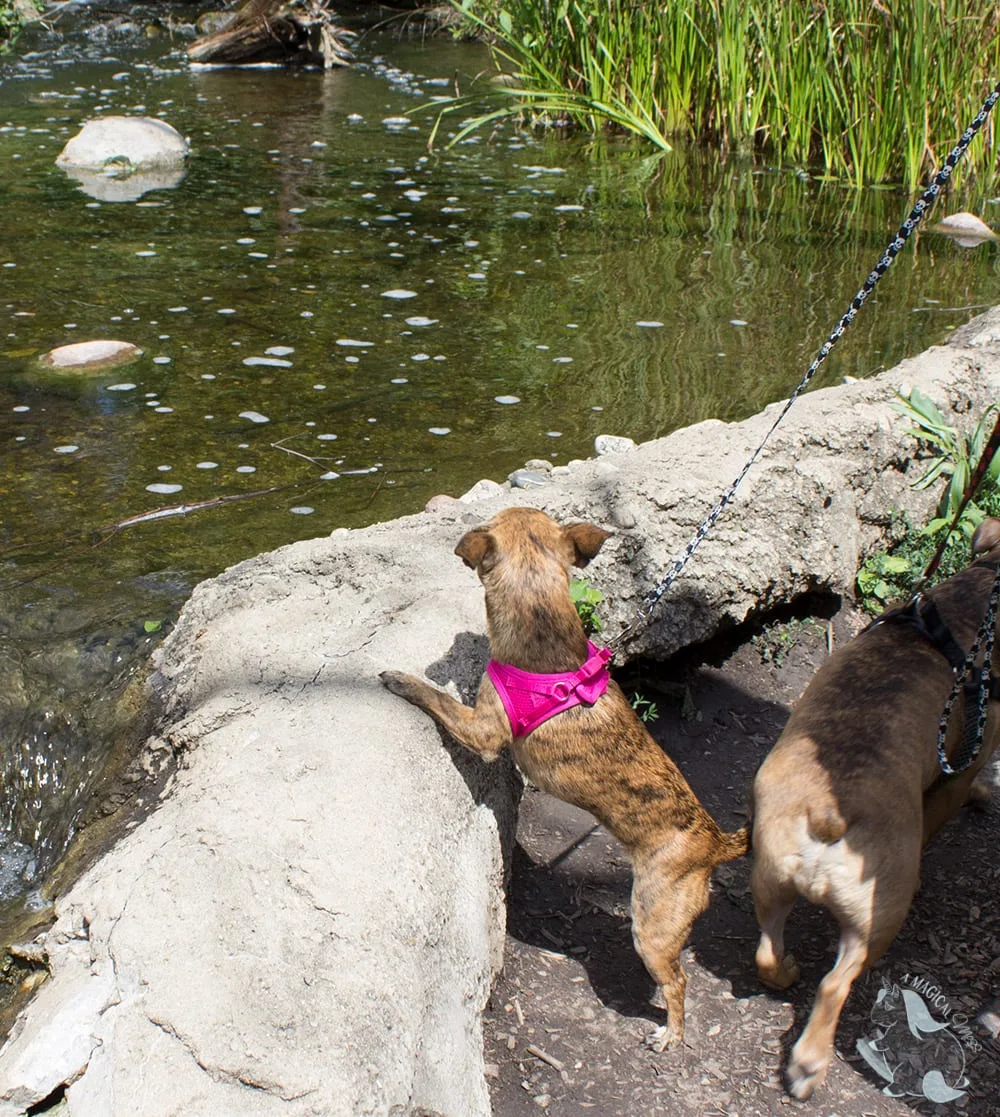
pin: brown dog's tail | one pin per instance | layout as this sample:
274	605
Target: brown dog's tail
733	845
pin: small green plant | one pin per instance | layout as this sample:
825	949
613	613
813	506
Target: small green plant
14	14
883	577
645	708
956	455
776	640
893	573
586	598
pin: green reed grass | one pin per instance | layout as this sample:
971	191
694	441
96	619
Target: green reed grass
870	90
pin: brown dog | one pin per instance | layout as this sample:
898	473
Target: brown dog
598	757
852	790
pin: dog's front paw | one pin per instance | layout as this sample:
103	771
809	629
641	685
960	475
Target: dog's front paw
400	683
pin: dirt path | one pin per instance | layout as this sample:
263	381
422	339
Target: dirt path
565	1028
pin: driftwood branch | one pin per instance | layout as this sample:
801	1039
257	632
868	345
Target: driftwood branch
287	31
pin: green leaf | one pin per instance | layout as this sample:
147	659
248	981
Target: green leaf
896	564
152	626
581	591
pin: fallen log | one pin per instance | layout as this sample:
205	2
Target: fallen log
300	32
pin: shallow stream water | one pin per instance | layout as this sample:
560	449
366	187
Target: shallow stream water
345	324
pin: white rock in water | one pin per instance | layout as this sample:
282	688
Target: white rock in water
126	143
612	444
966	228
91	356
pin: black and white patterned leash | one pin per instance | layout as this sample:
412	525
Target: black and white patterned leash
926	202
974	681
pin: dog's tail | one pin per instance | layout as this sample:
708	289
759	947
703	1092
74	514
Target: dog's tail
734	845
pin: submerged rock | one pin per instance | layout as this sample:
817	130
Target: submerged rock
124	145
91	356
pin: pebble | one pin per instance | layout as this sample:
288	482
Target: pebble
528	479
612	444
481	490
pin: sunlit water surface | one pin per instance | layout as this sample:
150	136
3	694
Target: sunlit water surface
344	324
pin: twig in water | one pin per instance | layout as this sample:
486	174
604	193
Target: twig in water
184	509
298	453
377	489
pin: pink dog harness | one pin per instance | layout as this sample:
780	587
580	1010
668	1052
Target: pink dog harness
531	699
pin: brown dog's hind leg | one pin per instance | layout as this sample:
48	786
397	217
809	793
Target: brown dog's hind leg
773	902
663	912
483	728
811	1055
863	940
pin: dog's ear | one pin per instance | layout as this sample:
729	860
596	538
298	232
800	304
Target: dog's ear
986	538
476	548
586	540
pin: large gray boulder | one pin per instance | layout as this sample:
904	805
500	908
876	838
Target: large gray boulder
309	922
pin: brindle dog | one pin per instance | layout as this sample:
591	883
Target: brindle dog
598	757
852	790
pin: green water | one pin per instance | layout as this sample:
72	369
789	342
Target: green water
532	262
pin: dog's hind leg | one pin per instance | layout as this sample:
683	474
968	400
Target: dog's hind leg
663	912
773	901
867	927
811	1055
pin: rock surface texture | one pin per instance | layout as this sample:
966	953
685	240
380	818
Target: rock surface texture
125	143
309	922
91	356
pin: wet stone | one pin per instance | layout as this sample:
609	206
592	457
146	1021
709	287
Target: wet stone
528	479
91	356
